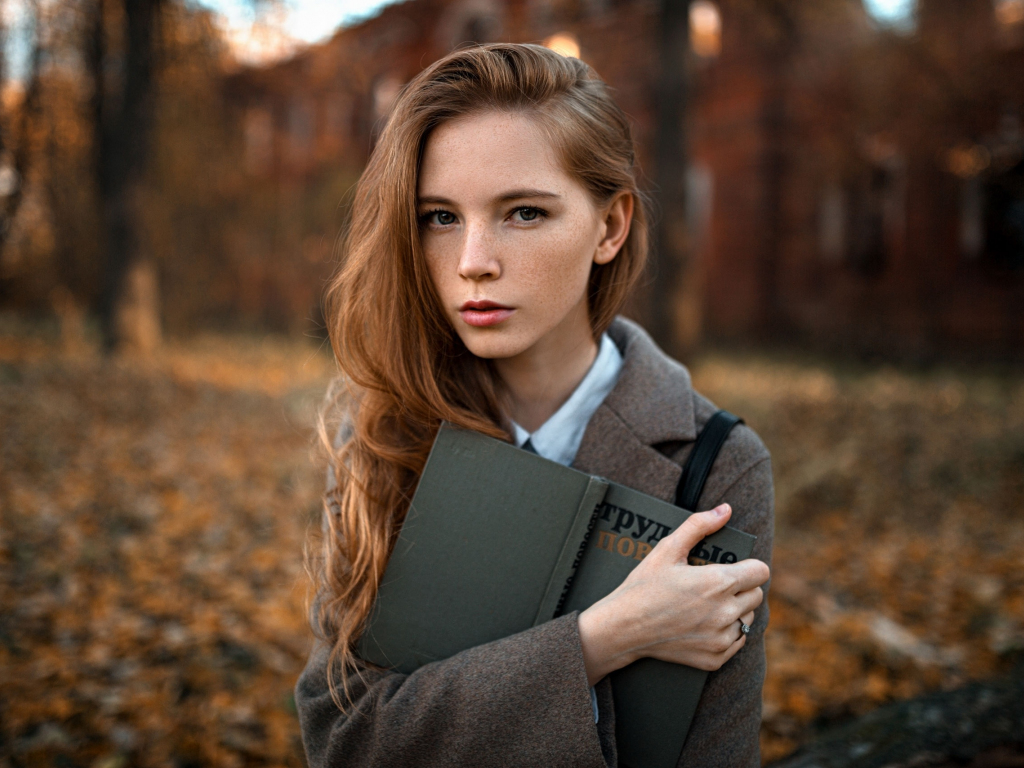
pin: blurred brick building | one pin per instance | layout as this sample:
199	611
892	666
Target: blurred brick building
851	185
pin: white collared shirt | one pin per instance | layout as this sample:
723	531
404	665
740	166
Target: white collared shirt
558	438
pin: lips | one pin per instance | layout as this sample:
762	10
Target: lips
483	313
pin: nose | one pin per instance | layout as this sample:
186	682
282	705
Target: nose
479	258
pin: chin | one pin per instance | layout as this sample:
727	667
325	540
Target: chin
494	343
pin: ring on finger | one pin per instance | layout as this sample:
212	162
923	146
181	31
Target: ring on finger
744	628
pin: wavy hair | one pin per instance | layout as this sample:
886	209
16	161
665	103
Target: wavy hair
404	369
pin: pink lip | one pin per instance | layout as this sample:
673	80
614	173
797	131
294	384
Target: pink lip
483	313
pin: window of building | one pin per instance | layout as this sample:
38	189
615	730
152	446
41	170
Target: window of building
705	28
700	197
470	21
565	44
258	128
596	8
972	218
867	252
898	15
832	224
9	179
861	218
385	91
1009	22
481	29
969	163
338	116
300	130
1009	12
541	13
992	198
1004	219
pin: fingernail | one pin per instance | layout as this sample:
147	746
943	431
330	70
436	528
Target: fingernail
721	509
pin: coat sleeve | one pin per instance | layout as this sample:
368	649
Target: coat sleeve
522	700
726	726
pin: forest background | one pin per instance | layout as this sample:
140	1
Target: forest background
162	361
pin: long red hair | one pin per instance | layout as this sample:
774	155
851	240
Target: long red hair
404	369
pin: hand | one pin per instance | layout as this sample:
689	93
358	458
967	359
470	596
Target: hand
669	610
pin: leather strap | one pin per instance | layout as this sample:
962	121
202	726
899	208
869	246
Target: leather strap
698	464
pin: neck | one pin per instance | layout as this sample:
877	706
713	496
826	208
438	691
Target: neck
540	379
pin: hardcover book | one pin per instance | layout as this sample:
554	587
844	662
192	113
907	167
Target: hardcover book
498	539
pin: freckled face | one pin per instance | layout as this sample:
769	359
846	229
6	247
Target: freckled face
508	236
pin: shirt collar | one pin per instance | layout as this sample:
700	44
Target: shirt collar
558	438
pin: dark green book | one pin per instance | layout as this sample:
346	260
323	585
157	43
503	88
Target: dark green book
498	539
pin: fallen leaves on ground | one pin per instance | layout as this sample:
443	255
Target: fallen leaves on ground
899	552
153	514
152	519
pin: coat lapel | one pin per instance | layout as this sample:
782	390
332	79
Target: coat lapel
611	450
652	403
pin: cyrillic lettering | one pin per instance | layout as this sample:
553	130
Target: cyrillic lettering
642	524
624	520
630	546
606	540
642	548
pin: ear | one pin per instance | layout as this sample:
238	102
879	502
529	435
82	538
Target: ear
616	222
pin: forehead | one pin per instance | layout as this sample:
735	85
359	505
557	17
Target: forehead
490	152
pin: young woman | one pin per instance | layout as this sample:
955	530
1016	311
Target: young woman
496	231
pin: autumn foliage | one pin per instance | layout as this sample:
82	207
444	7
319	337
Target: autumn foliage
153	514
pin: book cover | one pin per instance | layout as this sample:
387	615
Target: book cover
498	539
477	554
654	700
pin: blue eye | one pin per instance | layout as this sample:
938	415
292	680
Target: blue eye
529	214
439	217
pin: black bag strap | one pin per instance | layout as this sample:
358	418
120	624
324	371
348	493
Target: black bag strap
698	464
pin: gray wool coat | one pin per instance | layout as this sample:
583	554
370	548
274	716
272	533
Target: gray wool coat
524	700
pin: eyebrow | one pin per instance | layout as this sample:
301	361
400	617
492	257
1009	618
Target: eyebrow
515	194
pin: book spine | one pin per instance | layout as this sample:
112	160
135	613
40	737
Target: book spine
572	551
579	556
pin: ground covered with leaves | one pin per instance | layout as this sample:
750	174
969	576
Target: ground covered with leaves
153	514
152	519
899	552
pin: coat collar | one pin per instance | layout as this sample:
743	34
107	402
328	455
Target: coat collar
652	403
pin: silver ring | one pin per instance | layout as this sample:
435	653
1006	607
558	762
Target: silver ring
744	628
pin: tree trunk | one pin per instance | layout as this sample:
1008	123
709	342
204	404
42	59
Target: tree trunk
776	129
670	157
122	127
